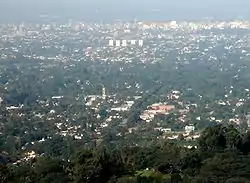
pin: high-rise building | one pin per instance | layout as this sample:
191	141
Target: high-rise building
118	43
20	29
111	42
133	42
135	20
140	42
103	93
124	42
248	121
1	100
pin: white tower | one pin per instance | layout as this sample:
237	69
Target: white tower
111	43
140	42
124	42
1	100
248	121
118	43
103	93
133	42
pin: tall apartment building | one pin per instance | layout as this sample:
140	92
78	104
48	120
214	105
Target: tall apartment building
111	42
124	42
117	43
140	43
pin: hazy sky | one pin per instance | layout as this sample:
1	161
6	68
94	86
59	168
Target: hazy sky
125	9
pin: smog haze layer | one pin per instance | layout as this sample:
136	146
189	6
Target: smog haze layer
109	10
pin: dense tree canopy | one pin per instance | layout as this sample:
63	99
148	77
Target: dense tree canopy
222	156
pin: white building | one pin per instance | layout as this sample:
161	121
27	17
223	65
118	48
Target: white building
111	42
173	24
118	43
119	109
189	128
140	42
124	42
133	42
57	97
104	93
248	120
1	100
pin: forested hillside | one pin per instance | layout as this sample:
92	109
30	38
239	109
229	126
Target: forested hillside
222	156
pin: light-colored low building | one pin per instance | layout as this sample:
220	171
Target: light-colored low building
189	128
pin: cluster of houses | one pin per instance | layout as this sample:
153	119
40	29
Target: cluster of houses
157	108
